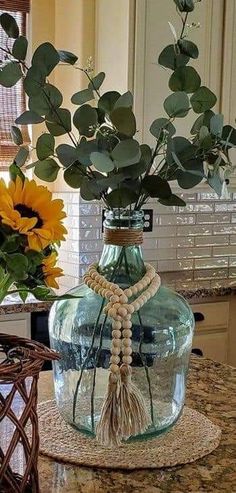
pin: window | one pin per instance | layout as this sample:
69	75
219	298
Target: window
12	100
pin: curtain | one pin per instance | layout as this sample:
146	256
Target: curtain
12	100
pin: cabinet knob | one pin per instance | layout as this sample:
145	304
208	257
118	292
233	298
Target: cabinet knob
198	317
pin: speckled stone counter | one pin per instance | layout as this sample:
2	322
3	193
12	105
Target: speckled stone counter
212	391
193	292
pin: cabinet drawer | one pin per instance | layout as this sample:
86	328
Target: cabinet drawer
211	315
213	346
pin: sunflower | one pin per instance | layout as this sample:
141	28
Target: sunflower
50	271
29	209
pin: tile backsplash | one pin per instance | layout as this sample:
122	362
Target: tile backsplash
198	241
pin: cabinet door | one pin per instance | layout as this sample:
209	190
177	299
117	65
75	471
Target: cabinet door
212	345
152	35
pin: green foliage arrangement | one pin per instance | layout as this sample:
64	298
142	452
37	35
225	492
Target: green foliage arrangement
101	156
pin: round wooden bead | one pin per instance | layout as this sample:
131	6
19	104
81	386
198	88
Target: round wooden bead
115	350
128	317
118	291
117	343
127	324
89	282
116	306
122	311
127	351
134	289
114	359
116	325
136	305
114	298
127	333
126	342
93	275
130	309
114	368
127	360
112	312
128	292
97	288
123	299
116	334
93	284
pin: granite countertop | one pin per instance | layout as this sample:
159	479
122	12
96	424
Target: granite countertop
212	391
194	292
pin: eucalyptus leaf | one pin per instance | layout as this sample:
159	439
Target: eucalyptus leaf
121	197
34	81
19	49
85	120
177	105
108	100
216	124
124	121
67	57
203	99
229	136
215	182
45	146
82	97
172	201
22	156
84	150
66	154
59	122
102	162
185	79
188	48
9	25
46	57
73	176
185	5
160	126
203	119
15	171
88	189
28	118
125	100
16	135
47	170
193	175
47	98
205	138
179	151
126	153
97	81
156	186
10	73
170	58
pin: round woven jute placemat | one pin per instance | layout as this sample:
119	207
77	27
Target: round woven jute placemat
193	437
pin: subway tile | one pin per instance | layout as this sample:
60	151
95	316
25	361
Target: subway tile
192	285
90	222
162	209
90	209
211	240
176	276
88	258
70	246
185	219
210	274
224	229
194	252
189	230
232	261
172	265
91	246
164	231
70	269
225	206
71	222
177	242
197	208
73	210
188	196
176	219
89	234
233	217
232	272
224	251
73	234
149	243
160	254
213	218
216	262
211	196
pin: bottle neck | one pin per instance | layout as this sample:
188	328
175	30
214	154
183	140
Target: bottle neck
122	259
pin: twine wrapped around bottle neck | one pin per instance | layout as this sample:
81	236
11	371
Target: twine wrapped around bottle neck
123	237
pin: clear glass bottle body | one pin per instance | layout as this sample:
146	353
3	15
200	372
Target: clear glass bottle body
161	342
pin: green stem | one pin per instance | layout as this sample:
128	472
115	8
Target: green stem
5	284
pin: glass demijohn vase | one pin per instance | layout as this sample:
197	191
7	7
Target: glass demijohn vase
161	341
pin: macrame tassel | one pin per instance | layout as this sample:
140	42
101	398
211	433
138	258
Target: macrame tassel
107	432
134	418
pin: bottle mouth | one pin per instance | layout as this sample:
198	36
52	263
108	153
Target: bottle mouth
124	219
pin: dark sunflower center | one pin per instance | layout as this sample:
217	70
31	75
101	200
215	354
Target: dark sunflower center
28	212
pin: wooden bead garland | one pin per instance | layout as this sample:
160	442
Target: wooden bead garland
124	411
